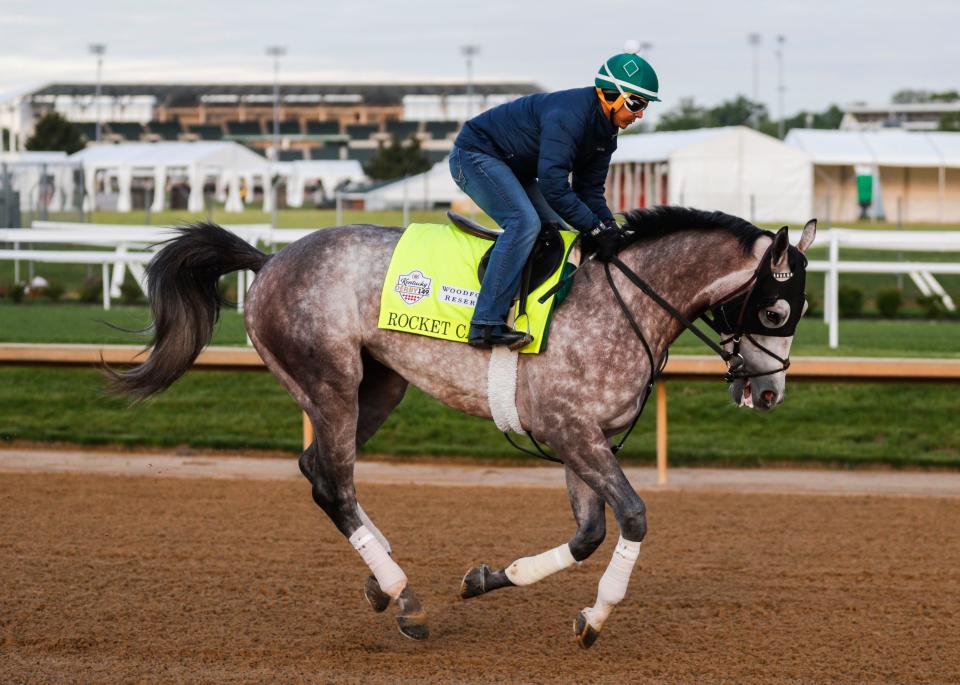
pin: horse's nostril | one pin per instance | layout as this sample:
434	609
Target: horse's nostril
767	396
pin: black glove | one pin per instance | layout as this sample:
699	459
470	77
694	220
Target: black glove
603	240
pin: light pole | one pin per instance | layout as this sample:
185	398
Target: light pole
781	89
469	52
645	48
276	51
98	50
754	40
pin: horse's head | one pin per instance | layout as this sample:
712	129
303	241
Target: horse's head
758	325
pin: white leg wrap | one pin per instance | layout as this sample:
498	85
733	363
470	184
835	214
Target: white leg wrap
389	575
529	570
613	584
373	529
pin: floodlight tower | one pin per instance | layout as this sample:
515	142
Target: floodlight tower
469	52
754	40
98	50
781	89
276	51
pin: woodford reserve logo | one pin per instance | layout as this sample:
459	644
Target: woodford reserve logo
413	286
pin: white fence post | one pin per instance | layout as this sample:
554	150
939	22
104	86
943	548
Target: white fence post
834	325
105	276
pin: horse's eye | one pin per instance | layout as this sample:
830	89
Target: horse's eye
772	316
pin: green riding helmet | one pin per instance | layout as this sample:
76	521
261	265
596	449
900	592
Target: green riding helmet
628	73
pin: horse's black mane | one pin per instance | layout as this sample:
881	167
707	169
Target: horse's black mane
656	222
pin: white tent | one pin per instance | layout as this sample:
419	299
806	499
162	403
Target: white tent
916	174
733	169
43	179
227	163
423	190
329	174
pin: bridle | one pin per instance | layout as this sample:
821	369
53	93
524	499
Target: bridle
736	315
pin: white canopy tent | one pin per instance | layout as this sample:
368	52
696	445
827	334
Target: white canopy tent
733	169
43	179
227	163
328	174
432	187
916	174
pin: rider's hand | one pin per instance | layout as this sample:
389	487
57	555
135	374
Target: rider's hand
603	240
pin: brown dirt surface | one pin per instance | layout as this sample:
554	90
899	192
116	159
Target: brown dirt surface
110	579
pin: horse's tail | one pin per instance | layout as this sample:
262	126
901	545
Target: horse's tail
182	288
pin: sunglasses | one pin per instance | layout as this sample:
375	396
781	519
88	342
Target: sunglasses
635	104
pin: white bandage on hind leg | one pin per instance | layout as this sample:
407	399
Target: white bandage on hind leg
365	520
529	570
613	584
389	575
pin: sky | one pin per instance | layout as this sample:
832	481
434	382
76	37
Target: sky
834	52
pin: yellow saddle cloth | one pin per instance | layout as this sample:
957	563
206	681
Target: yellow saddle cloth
431	286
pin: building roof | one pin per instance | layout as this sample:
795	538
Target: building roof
659	145
171	154
905	108
890	147
193	94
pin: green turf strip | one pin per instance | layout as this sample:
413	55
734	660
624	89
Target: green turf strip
903	425
850	424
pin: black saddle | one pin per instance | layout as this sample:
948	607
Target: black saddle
546	257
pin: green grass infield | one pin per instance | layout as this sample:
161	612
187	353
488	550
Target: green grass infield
903	425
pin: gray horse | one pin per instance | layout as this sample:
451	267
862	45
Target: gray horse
312	315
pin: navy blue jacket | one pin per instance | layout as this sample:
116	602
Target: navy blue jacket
548	136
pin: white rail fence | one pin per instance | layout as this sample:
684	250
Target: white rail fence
131	247
896	241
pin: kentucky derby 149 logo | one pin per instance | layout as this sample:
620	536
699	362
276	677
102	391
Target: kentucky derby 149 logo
413	286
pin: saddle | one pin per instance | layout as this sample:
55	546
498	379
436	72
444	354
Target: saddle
545	258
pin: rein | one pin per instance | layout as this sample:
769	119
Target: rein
719	323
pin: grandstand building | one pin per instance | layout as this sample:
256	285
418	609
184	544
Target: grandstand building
924	116
317	121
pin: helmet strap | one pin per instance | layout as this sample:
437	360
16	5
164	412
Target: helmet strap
610	108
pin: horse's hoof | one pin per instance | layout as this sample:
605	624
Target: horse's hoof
414	626
586	633
412	619
376	598
474	583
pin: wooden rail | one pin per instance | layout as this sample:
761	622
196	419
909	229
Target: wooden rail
686	367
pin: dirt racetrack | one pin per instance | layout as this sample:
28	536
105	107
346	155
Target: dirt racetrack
142	579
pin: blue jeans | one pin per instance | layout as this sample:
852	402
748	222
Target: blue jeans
519	209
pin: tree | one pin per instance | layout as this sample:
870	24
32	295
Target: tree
738	112
945	96
686	115
397	160
909	96
950	122
54	132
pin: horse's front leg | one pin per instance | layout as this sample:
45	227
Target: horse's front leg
585	451
587	511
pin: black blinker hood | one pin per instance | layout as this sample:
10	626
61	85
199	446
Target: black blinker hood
741	314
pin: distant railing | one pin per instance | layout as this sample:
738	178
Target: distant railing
900	241
680	367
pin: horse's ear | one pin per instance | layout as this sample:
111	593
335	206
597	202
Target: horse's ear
778	255
809	233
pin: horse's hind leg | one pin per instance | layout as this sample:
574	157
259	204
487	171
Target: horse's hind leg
588	511
380	390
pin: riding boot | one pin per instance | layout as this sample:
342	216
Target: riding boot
488	336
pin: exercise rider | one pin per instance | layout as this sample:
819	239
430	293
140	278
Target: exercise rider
515	162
